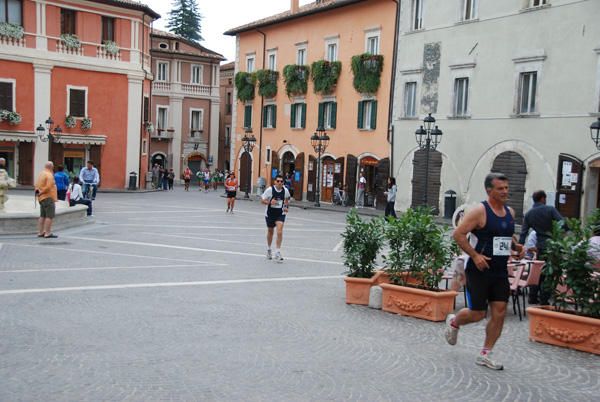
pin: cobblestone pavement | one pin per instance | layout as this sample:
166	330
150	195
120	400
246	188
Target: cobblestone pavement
168	298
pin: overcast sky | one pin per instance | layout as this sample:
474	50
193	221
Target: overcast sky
222	15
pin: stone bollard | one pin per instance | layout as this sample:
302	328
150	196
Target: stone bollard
376	297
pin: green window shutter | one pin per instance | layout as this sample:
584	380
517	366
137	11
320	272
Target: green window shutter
320	119
333	114
360	124
265	115
273	116
303	122
247	116
293	117
373	115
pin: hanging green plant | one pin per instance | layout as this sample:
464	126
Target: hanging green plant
367	72
296	79
70	121
13	118
11	30
71	41
324	75
244	84
267	82
86	123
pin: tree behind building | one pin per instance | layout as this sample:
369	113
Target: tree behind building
184	20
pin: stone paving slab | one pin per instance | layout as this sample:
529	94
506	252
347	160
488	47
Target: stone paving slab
167	297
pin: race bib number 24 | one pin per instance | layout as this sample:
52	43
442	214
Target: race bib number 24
502	246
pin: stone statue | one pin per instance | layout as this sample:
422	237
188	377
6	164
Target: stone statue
5	182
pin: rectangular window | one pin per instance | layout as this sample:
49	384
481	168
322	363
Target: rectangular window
144	146
537	3
410	99
146	108
67	21
469	9
327	114
77	102
228	103
197	75
417	14
298	115
373	44
108	29
301	56
197	118
6	96
272	61
461	97
11	11
527	93
268	156
227	139
269	116
332	52
250	64
163	69
247	116
161	119
367	115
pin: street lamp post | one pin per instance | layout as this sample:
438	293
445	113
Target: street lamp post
428	139
319	141
41	132
248	144
595	132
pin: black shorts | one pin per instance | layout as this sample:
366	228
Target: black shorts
483	289
272	219
187	180
231	194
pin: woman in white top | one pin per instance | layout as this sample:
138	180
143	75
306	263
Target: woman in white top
76	196
391	197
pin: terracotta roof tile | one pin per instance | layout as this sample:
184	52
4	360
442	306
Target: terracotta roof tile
202	50
136	4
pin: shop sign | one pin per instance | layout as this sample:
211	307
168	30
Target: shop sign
369	160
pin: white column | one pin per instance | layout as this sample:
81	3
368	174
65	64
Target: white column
42	75
41	41
176	122
134	122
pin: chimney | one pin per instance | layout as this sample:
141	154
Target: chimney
294	6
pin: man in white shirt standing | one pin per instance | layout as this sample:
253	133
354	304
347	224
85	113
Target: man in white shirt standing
362	185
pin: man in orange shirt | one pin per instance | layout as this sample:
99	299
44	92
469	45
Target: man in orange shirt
45	189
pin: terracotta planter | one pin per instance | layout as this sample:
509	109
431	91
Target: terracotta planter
413	302
359	289
383	278
562	329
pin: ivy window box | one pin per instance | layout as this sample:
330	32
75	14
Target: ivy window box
267	82
12	118
70	41
296	79
244	84
324	75
367	70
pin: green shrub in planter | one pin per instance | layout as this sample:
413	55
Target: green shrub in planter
296	79
267	82
367	70
362	242
324	75
244	84
418	248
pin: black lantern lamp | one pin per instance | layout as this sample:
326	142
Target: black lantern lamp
428	139
595	132
248	144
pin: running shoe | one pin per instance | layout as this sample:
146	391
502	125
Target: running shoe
227	210
488	360
278	256
451	332
269	255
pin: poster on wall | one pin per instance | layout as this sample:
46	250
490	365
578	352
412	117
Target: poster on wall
273	173
310	188
329	180
296	176
338	168
310	166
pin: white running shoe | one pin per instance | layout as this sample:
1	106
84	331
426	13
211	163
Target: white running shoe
269	255
278	256
451	333
488	360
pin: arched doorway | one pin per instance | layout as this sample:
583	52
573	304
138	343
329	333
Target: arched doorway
288	163
159	158
196	162
434	172
245	172
514	167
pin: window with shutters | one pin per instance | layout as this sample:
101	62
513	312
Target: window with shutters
247	116
269	116
372	40
6	96
146	108
528	73
108	29
367	115
468	10
327	115
298	115
196	119
228	105
227	139
250	63
11	11
301	53
67	21
77	102
162	117
272	59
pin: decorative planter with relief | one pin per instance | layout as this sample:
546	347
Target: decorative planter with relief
564	329
414	302
362	242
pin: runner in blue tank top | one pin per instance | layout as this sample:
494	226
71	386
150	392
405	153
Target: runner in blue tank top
487	276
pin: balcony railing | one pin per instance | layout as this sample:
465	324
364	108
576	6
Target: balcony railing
195	89
64	49
196	135
161	86
162	134
5	40
191	89
101	53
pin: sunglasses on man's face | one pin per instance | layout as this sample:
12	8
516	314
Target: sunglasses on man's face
279	181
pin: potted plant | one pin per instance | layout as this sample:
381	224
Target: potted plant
11	30
70	121
324	75
367	70
419	250
244	84
572	275
362	242
13	118
296	79
150	127
111	47
86	123
71	41
267	82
